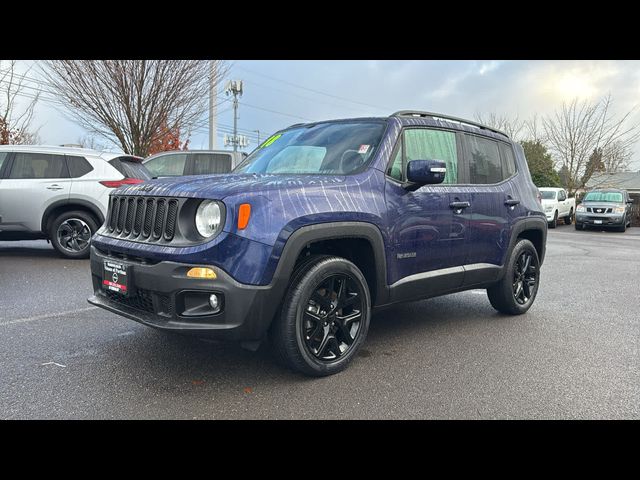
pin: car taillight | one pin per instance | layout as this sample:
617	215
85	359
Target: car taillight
119	183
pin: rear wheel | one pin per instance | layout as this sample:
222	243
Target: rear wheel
324	317
569	219
554	222
517	290
71	233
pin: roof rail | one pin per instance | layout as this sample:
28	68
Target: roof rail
414	113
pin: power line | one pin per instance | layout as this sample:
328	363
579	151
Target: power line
313	90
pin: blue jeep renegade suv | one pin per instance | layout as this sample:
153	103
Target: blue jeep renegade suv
319	225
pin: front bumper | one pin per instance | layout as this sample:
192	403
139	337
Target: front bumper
608	220
550	215
161	292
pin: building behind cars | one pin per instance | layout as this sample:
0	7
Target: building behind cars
60	194
193	162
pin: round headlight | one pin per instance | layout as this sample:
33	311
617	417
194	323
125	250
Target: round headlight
208	218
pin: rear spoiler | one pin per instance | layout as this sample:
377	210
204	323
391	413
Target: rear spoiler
129	158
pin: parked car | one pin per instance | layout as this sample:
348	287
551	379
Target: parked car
193	162
557	204
605	208
60	194
319	225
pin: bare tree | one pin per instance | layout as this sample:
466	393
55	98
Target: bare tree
577	129
90	141
133	102
617	157
15	123
511	126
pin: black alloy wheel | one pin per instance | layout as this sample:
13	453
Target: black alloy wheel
331	318
525	278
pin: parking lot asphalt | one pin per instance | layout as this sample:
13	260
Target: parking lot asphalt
573	355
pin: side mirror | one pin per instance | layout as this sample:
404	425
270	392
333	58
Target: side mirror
423	172
630	201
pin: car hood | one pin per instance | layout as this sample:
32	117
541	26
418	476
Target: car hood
602	204
216	187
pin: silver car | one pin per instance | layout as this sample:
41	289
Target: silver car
60	194
605	208
193	162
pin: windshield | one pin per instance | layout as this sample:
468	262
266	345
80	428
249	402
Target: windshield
548	194
613	197
325	148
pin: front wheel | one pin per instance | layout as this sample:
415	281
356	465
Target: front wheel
554	222
71	233
517	290
569	219
324	317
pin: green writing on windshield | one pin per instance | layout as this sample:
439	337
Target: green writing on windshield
270	140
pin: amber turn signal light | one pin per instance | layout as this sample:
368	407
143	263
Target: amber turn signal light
201	272
244	212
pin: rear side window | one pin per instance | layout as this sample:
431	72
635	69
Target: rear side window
38	165
78	166
131	169
508	160
484	160
204	163
170	165
426	144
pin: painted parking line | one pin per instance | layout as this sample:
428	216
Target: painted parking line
45	316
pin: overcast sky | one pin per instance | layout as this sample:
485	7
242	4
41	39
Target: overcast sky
280	93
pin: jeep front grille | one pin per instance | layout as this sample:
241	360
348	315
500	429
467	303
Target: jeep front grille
142	219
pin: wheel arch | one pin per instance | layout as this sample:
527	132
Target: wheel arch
360	242
56	208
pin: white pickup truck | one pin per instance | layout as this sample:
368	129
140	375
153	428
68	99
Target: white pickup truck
557	205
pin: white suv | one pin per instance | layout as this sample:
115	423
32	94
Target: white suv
60	194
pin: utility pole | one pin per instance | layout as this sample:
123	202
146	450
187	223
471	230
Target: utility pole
234	87
213	130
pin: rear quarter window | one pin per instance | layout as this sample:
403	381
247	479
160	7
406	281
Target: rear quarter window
78	166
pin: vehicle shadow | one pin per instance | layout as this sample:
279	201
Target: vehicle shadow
38	248
180	358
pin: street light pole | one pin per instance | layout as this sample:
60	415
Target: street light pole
213	133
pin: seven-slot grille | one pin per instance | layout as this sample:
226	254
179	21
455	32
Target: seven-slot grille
148	219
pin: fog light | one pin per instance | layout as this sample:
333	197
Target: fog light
213	301
201	272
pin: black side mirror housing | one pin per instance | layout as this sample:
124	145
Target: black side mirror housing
423	172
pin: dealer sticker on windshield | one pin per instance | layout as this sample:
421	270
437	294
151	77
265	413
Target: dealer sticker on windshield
363	149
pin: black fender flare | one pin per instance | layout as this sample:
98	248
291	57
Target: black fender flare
303	236
533	223
70	204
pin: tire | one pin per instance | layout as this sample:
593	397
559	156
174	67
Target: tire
622	228
505	296
569	219
62	230
579	226
304	339
553	223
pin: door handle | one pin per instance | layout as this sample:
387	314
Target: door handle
459	205
512	202
54	187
